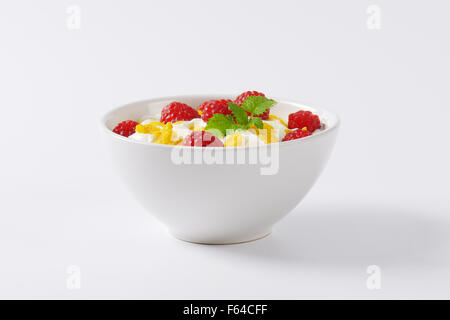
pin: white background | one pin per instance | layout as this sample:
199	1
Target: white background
383	199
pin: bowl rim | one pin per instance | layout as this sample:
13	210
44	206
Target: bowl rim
180	98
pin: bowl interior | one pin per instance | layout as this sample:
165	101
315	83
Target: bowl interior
140	110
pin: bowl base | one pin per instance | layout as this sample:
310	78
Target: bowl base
220	241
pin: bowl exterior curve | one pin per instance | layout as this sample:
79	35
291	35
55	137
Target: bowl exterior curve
220	203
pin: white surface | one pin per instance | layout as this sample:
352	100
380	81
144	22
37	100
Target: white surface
382	200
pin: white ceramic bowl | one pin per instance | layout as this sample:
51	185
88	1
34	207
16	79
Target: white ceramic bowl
218	203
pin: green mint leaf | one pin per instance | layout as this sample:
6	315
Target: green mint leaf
257	122
215	132
257	105
220	123
263	106
243	127
239	114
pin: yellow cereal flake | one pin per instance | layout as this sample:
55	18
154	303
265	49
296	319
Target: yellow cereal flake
273	117
267	134
304	129
163	132
149	128
234	140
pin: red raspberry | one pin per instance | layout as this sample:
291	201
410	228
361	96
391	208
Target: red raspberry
202	139
301	119
296	134
126	128
177	111
243	96
209	108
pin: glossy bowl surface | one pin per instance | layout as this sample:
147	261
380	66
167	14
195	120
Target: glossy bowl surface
198	198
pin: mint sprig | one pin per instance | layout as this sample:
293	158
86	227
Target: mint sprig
257	105
218	124
257	122
239	114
